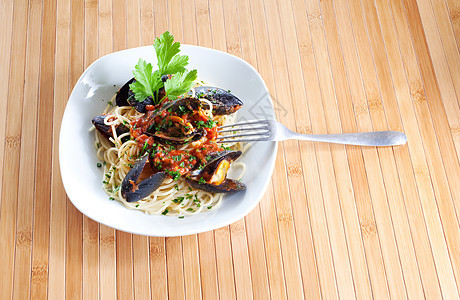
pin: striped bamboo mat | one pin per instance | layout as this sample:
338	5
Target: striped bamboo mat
336	221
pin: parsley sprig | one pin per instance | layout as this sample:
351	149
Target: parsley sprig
170	62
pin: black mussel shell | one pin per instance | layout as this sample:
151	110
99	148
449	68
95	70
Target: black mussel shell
124	94
224	102
166	77
163	138
125	97
227	186
132	191
188	102
98	122
214	159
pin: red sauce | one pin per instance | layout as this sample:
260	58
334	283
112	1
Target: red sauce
172	160
174	123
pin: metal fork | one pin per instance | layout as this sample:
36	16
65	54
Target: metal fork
269	130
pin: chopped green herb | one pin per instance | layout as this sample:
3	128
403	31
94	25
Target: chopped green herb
190	209
210	123
199	124
174	174
99	165
145	146
178	200
111	198
201	181
165	212
137	205
209	207
181	217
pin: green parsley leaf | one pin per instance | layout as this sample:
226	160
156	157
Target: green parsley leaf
180	84
147	83
168	60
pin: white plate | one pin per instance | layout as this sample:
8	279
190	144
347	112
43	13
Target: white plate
77	155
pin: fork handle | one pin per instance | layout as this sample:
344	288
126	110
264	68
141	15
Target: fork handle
376	138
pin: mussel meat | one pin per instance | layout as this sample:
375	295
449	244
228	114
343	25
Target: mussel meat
213	176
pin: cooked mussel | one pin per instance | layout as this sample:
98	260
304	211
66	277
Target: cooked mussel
224	102
125	97
133	191
166	138
106	130
213	176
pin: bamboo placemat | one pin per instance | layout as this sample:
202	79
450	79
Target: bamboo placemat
335	222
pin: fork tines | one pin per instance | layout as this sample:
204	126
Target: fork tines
254	130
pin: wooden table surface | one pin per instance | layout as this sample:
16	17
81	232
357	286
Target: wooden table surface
335	222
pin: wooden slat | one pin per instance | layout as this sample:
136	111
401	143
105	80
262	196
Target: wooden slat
74	230
175	270
23	246
158	281
43	174
12	142
5	62
58	226
454	14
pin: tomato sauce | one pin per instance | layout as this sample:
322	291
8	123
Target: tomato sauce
175	124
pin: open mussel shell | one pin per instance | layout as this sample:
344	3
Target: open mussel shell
132	191
224	102
227	186
125	97
211	168
106	130
163	138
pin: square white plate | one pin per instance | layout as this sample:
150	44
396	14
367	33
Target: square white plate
77	156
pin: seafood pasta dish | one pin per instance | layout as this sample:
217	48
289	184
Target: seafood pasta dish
156	139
